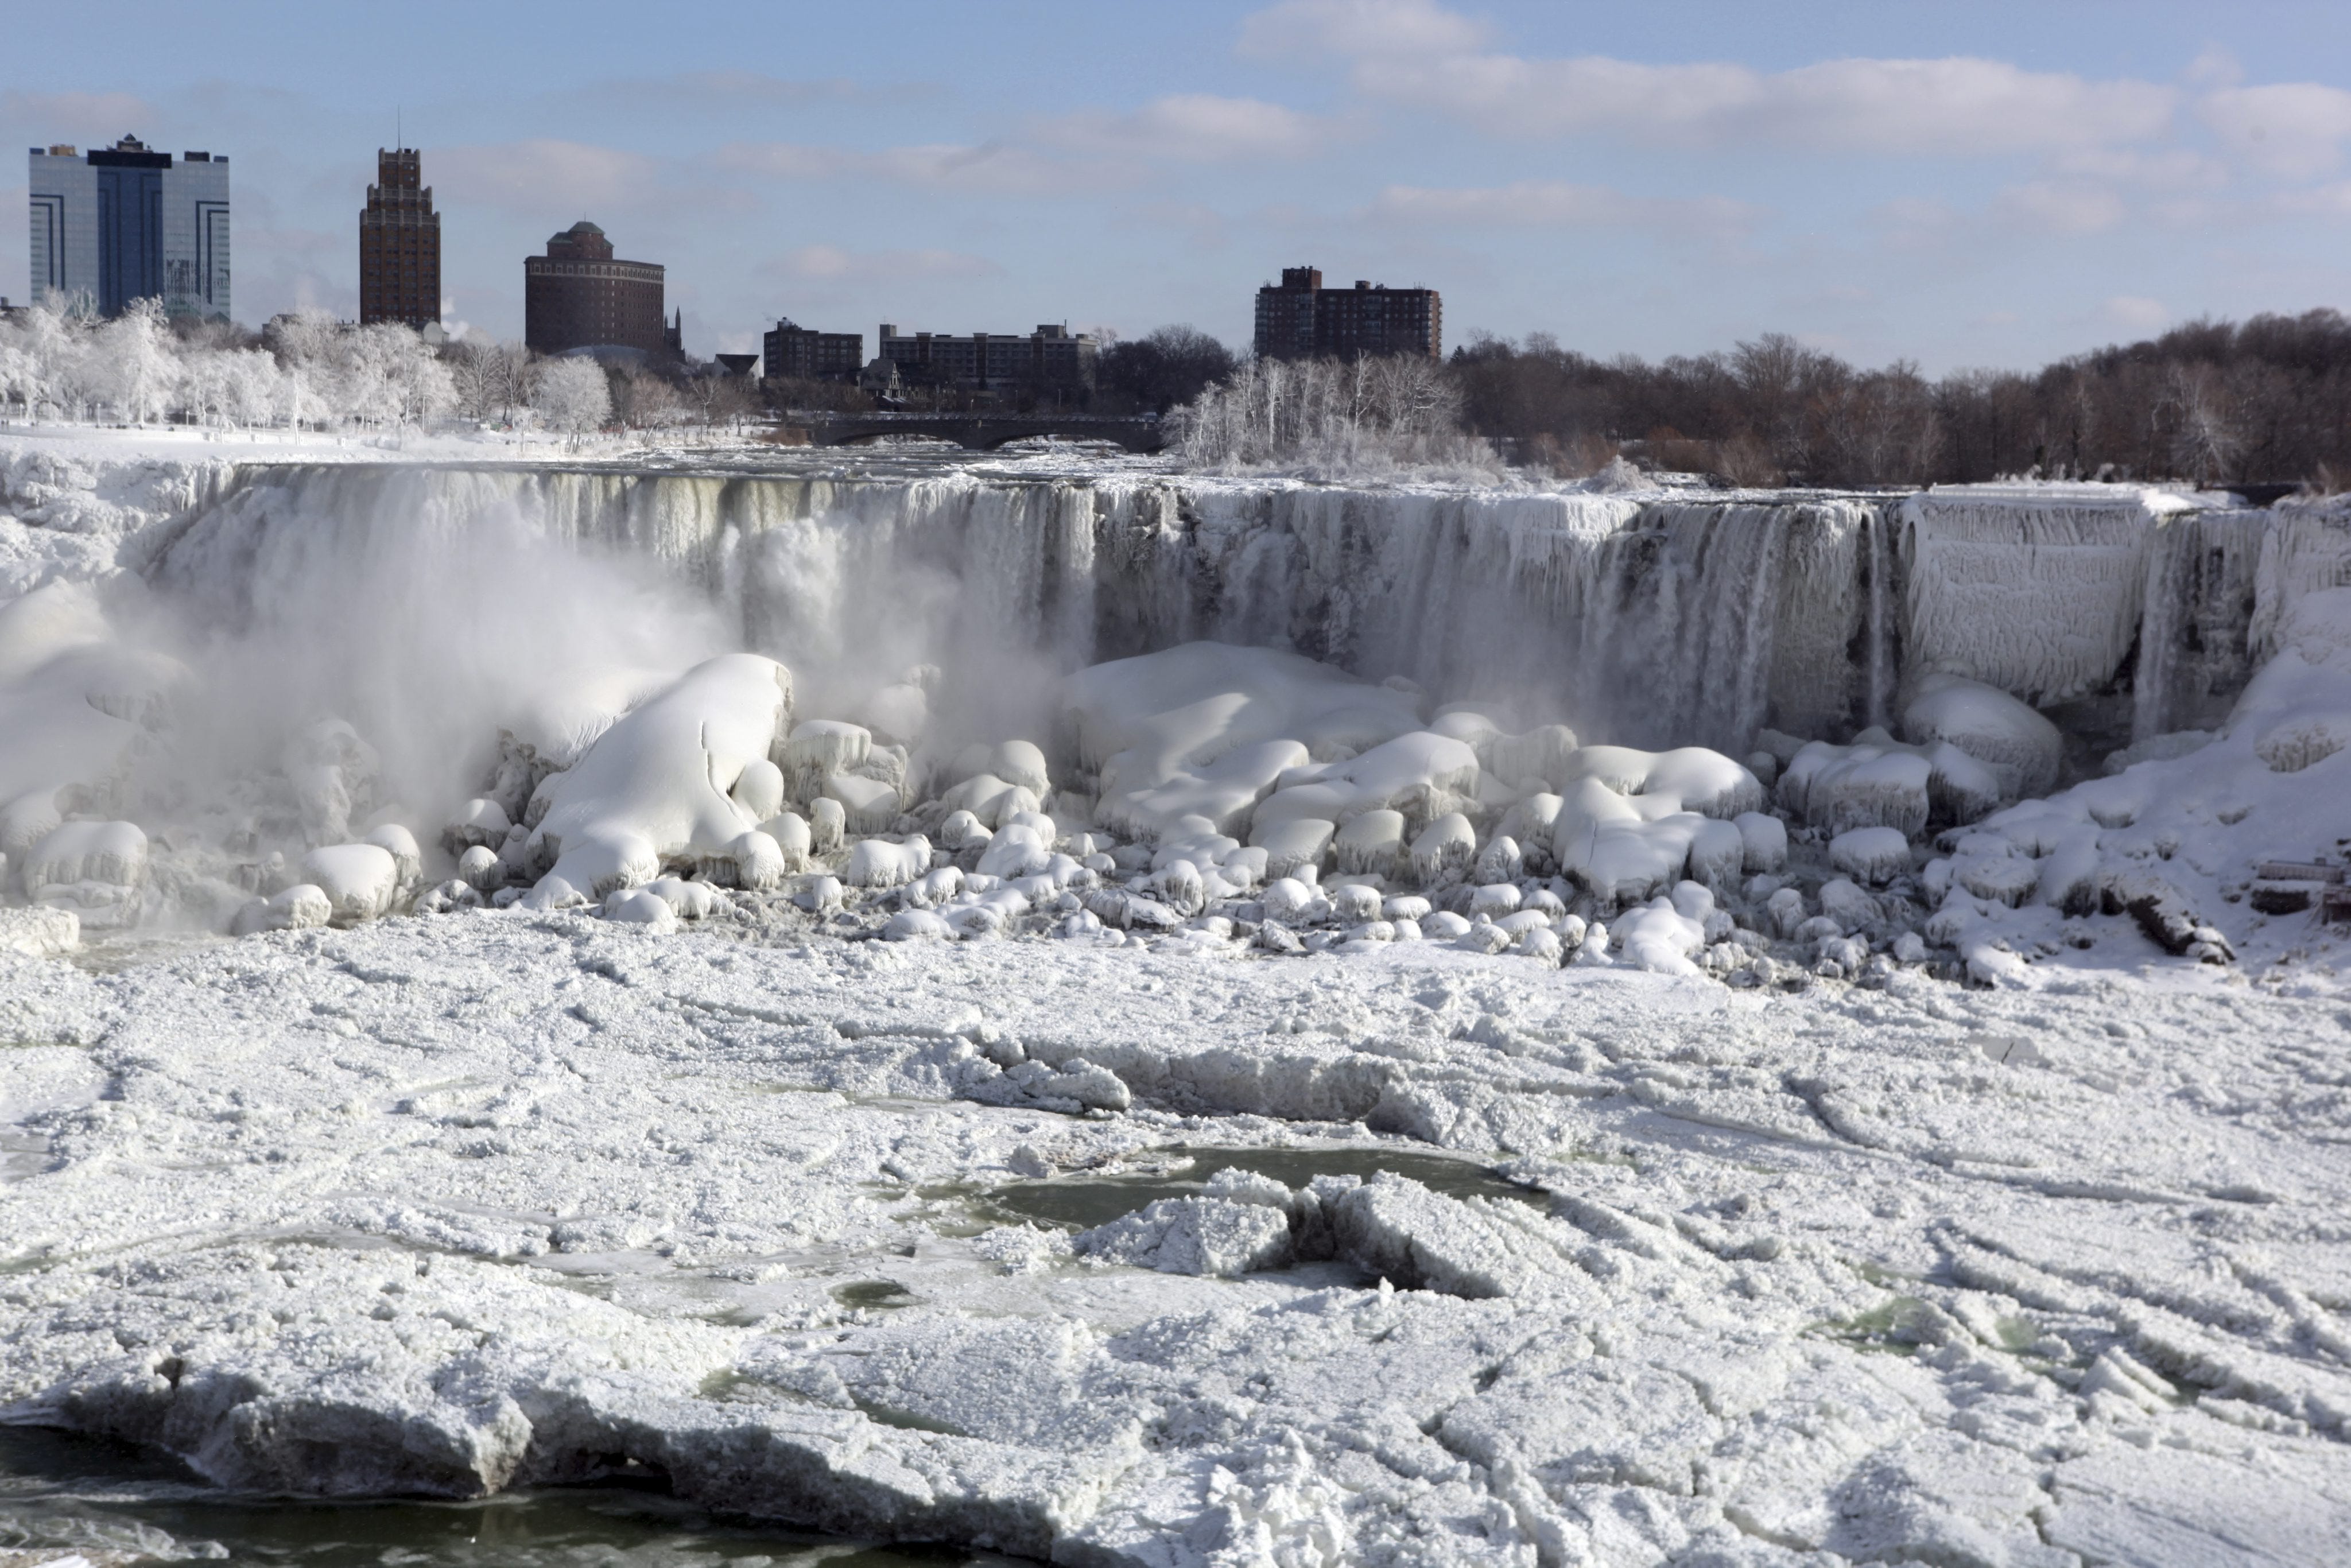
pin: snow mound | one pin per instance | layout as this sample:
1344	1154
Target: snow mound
1207	729
2022	748
653	787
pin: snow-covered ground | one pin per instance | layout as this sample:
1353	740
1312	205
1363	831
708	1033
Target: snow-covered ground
1226	1106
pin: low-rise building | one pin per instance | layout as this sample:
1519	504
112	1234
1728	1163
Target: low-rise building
1051	357
794	352
578	295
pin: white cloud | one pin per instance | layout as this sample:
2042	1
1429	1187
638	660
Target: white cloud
1556	203
1412	51
544	175
82	118
832	263
990	167
1194	126
2291	130
1956	106
2135	313
2059	206
1399	27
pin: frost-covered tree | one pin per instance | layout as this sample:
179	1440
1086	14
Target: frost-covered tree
1369	413
572	396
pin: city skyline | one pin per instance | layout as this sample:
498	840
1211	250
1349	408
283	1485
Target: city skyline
1957	190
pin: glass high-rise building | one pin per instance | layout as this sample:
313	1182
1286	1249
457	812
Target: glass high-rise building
124	222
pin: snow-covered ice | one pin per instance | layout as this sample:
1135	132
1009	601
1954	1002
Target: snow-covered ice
1120	1017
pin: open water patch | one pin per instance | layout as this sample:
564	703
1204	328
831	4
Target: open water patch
1081	1202
63	1495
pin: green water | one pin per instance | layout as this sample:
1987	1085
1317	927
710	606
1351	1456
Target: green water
112	1504
1085	1201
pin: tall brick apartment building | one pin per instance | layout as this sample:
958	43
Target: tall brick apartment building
1298	318
578	296
399	245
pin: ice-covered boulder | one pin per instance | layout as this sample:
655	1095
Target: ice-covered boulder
867	804
818	748
1422	776
759	790
1296	844
1874	856
878	863
991	799
1016	762
361	881
1373	843
407	858
653	787
2022	748
1207	729
98	870
1699	781
1446	844
758	862
640	906
478	822
1841	788
917	925
305	906
480	869
1655	935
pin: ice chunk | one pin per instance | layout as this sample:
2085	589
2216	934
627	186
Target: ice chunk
2303	740
1848	908
1871	855
756	860
655	785
41	932
2022	748
305	906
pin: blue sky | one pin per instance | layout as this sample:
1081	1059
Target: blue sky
1983	185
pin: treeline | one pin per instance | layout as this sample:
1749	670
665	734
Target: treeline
305	370
2268	401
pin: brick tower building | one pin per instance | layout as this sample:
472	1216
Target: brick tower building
399	245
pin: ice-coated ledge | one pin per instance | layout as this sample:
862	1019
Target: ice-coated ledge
457	1204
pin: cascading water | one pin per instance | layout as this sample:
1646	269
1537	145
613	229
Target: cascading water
424	600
